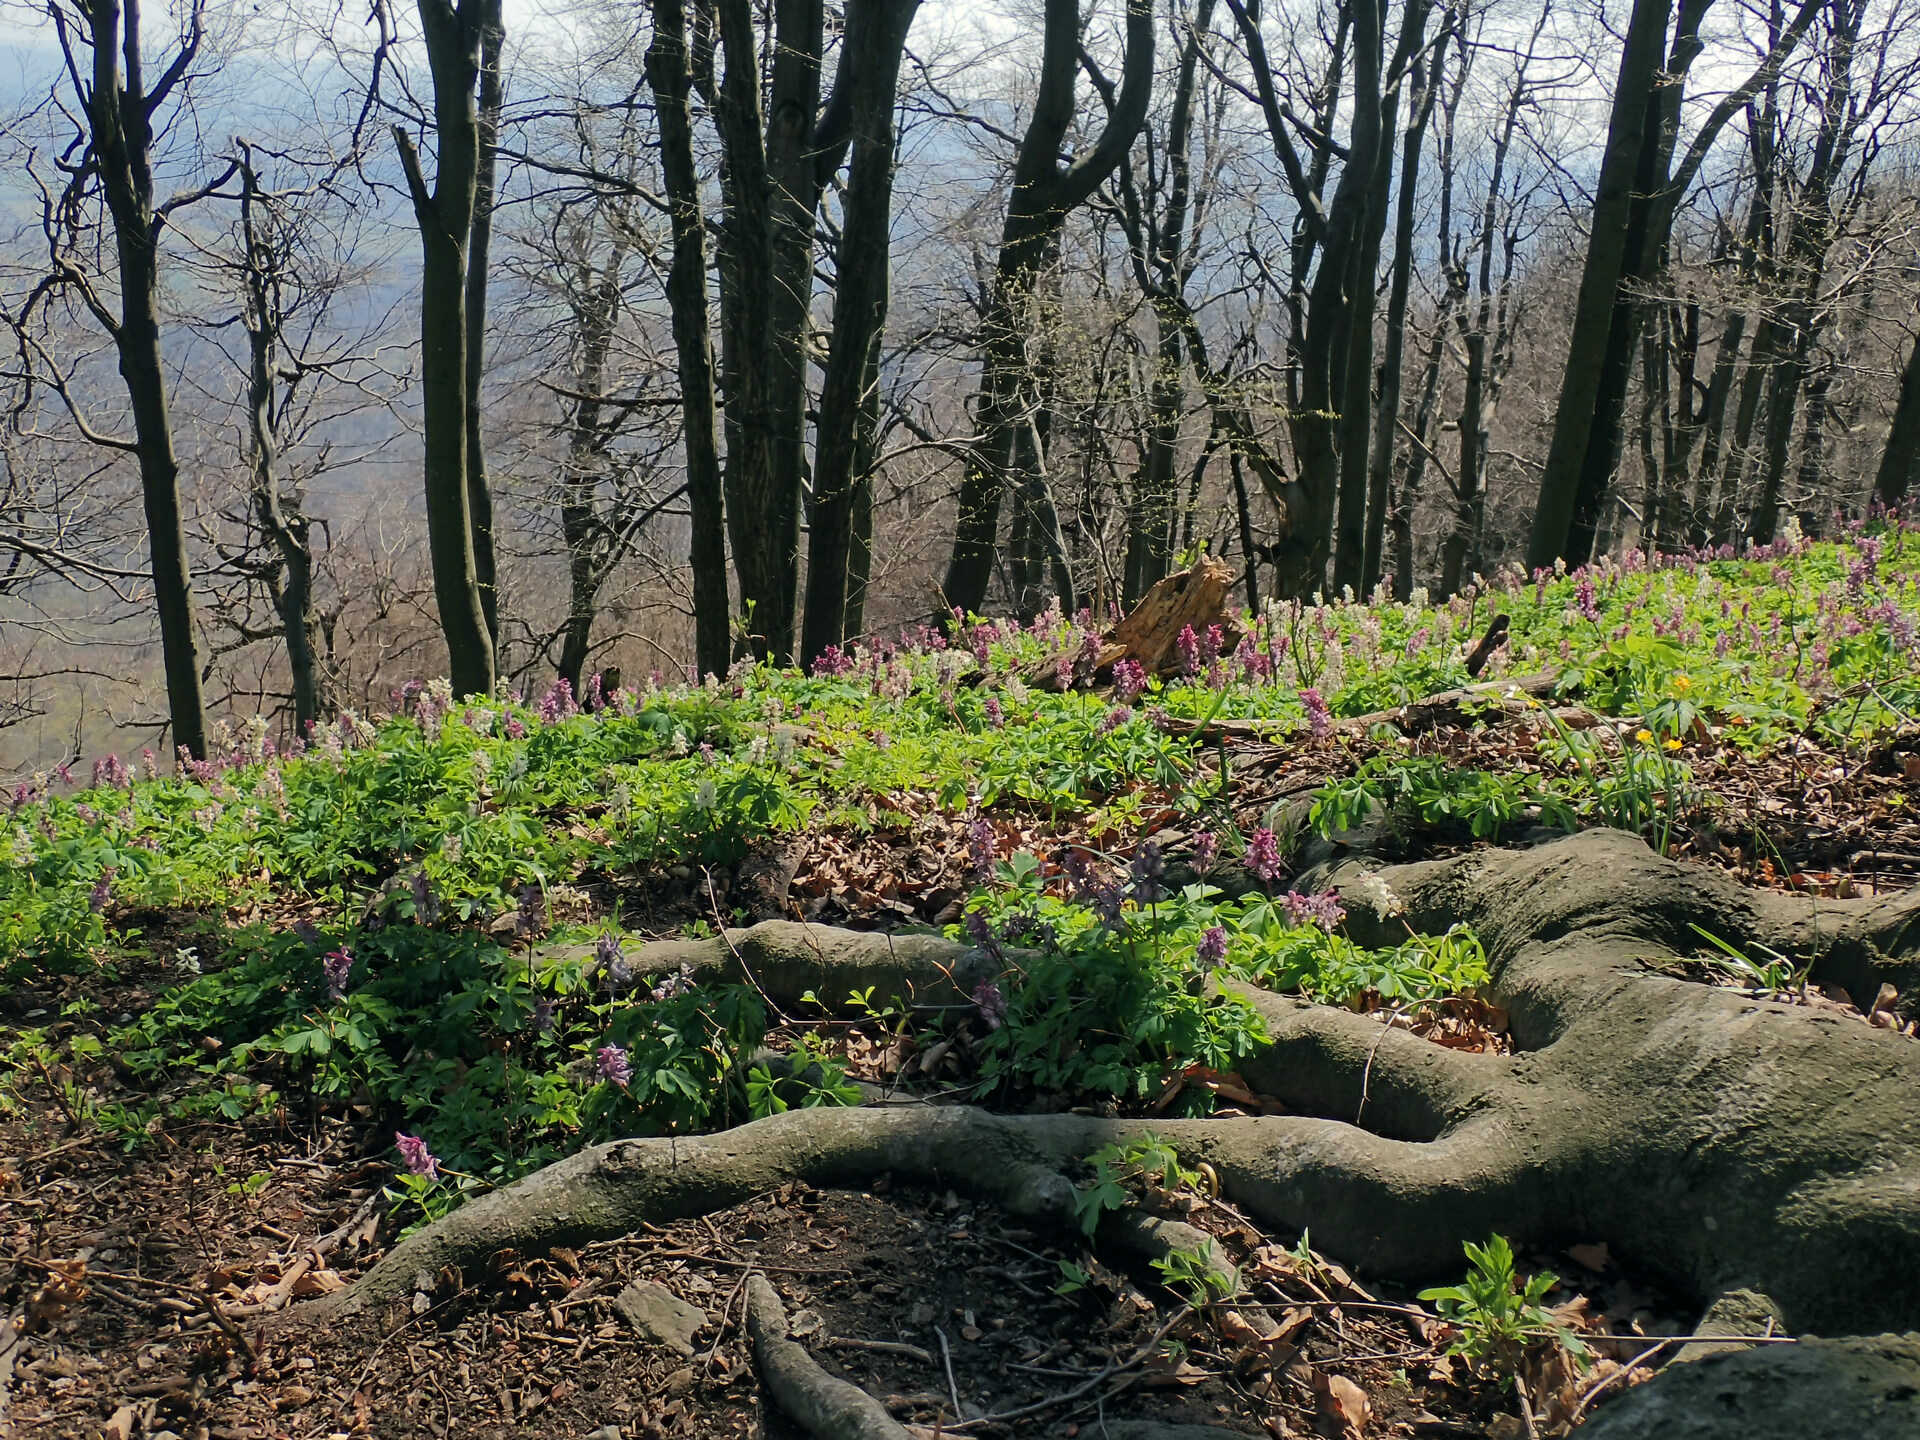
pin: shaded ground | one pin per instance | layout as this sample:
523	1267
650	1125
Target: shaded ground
874	1282
117	1251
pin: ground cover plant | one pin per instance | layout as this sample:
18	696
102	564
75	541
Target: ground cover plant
1262	907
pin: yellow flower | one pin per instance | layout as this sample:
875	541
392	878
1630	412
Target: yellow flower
1682	684
1645	737
1673	743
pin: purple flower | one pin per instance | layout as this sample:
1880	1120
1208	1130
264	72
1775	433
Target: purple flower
991	1003
596	692
527	921
612	1065
980	931
1086	663
1146	870
1263	855
1212	948
606	950
1115	718
1323	909
426	905
996	717
415	1156
831	664
515	728
678	982
1210	644
1188	644
1583	598
336	966
983	850
1129	680
108	770
1319	717
102	891
1206	849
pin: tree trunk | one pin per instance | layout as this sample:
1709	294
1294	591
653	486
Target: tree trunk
1426	84
1043	195
445	217
1900	461
121	122
875	38
669	75
479	491
287	528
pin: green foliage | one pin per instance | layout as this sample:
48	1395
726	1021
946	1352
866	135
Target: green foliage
1115	1167
1495	1314
1776	974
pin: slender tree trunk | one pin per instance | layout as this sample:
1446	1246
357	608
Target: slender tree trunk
876	36
445	217
1426	84
288	529
1005	414
669	75
479	262
121	121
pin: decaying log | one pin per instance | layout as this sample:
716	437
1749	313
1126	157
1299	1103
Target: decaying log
1150	633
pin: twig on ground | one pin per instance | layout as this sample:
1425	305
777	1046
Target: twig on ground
946	1359
884	1347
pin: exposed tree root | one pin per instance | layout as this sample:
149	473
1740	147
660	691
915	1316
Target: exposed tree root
1817	1390
827	1408
1720	1140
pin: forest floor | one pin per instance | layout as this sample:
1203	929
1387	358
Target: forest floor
166	1202
226	1215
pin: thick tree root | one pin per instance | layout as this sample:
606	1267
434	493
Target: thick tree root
1723	1141
1817	1390
827	1408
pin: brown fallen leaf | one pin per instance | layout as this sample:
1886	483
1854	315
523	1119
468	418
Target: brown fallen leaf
1595	1256
121	1425
1341	1409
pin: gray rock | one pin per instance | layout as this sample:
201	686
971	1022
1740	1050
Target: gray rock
1816	1390
657	1314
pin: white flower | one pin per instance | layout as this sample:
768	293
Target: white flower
705	797
1379	895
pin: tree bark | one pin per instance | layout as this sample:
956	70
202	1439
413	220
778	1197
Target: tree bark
1044	194
1426	85
287	527
669	73
121	120
1607	262
875	39
479	491
1900	461
445	215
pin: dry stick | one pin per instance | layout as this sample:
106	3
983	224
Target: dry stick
1107	1372
884	1347
1593	1391
946	1359
1526	1408
720	1334
720	924
827	1408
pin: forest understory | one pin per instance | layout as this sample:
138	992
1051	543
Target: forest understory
1040	1047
